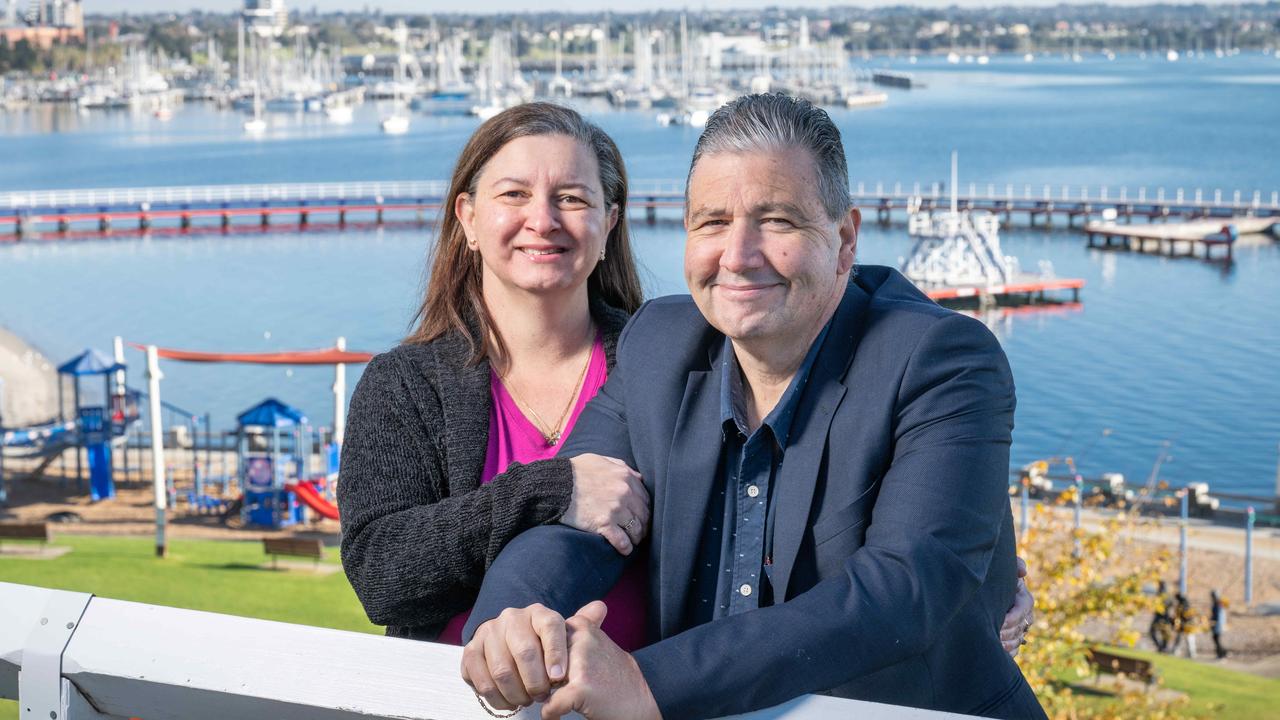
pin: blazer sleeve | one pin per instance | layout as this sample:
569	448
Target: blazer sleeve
558	566
414	555
932	535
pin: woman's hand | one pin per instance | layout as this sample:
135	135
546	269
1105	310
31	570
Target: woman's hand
1013	633
609	498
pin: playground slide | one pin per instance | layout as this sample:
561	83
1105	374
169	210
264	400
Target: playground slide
306	492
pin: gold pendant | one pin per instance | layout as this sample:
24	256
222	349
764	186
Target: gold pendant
553	439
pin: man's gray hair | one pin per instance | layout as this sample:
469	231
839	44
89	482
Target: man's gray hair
775	122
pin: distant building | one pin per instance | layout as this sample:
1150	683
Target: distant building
45	22
268	18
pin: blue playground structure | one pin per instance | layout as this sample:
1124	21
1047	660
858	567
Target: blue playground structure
42	442
274	447
96	424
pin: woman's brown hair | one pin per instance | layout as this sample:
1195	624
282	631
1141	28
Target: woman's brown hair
453	299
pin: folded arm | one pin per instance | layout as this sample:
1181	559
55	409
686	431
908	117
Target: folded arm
556	565
413	554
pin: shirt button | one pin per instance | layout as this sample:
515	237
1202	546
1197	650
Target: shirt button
745	590
752	491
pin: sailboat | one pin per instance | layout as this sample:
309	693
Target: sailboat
397	123
256	125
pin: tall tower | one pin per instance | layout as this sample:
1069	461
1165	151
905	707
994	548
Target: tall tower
267	18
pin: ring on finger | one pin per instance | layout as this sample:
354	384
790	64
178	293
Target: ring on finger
630	524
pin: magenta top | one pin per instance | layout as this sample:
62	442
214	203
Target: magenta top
513	438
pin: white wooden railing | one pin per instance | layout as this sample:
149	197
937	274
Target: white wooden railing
69	656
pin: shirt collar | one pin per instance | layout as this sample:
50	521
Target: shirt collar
733	413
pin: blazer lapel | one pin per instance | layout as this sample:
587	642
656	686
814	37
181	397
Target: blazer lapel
691	476
798	474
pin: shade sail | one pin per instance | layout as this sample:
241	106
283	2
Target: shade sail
322	356
271	413
89	362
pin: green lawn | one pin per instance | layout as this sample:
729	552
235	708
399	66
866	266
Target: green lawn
224	577
1235	695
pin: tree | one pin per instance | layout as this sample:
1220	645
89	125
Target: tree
24	56
1087	580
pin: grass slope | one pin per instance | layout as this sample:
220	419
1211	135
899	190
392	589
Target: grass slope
1232	694
217	576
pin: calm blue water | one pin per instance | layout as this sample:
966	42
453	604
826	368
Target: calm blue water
1163	350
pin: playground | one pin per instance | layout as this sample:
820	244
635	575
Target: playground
112	458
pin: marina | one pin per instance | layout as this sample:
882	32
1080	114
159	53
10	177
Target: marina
312	282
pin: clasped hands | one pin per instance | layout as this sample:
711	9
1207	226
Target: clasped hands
534	654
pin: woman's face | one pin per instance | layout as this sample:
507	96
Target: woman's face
538	217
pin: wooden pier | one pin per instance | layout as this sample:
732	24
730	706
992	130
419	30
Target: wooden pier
59	213
1030	291
1041	205
1194	239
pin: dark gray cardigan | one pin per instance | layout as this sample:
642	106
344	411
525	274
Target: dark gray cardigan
418	529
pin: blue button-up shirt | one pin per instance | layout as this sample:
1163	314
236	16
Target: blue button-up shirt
735	552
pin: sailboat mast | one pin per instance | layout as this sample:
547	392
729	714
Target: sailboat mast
954	175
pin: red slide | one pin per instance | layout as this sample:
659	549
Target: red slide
306	492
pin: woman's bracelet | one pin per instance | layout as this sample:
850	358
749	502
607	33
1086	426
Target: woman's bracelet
493	713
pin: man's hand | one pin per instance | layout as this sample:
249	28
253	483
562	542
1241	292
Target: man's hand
605	682
515	658
609	498
1013	632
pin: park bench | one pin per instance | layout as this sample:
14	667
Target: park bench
1135	668
297	547
25	531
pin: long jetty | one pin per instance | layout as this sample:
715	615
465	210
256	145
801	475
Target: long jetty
74	213
1193	239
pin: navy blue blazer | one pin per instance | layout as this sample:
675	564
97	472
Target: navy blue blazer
893	546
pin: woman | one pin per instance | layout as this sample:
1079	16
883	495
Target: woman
451	436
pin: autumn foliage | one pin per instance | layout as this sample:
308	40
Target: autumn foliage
1092	587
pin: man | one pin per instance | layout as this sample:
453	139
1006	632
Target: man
827	452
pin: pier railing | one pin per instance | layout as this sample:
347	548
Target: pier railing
68	656
274	192
640	189
1104	194
184	208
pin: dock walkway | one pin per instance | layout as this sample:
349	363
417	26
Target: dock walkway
1180	239
71	213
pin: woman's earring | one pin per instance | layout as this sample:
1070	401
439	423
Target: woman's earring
602	255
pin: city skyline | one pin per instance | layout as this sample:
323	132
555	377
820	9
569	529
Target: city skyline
520	6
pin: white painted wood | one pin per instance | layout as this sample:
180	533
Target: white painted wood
20	607
130	659
41	684
340	397
154	376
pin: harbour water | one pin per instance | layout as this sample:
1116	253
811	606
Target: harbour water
1163	350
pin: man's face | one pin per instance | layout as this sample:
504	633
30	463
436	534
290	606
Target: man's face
763	260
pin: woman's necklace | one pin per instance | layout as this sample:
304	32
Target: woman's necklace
552	438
